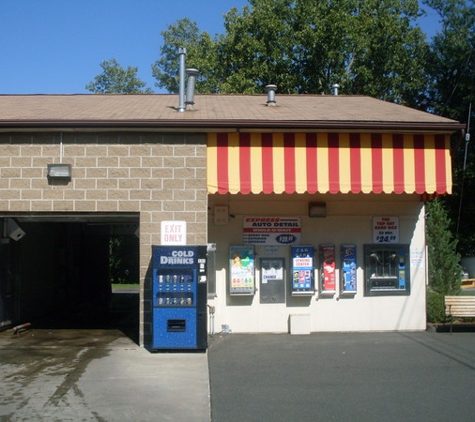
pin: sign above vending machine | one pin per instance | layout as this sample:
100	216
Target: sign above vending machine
385	229
173	233
271	231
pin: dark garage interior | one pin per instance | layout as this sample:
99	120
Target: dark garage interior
70	271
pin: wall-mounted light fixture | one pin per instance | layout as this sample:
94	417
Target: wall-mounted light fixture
13	230
317	209
59	171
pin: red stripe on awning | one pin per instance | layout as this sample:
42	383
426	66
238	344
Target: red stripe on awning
355	160
440	158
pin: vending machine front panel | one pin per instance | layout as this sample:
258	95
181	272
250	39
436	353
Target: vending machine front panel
387	270
272	287
348	269
179	297
302	271
175	329
327	269
241	270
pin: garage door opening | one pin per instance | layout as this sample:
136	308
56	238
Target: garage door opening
70	271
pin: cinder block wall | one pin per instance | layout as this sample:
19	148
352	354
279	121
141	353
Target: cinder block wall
161	176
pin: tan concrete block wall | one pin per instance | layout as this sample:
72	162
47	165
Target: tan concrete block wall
160	176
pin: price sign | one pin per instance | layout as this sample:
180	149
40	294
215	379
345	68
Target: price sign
385	229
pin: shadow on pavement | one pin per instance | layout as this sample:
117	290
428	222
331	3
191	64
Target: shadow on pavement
457	327
122	315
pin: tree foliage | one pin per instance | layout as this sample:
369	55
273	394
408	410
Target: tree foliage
201	54
114	79
445	272
369	47
452	58
451	68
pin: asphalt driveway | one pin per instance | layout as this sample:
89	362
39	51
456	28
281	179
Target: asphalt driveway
410	376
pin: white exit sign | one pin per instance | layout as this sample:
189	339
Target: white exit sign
173	233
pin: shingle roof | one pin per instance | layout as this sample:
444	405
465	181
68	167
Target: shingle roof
214	111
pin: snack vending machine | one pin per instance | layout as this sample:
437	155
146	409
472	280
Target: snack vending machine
327	268
348	270
302	270
179	297
387	270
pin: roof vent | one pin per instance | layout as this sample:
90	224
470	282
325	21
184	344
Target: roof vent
271	94
335	89
181	91
190	89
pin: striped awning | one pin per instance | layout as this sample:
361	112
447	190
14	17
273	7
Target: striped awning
328	162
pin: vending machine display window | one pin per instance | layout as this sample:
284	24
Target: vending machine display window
302	270
327	270
272	287
348	270
241	270
387	270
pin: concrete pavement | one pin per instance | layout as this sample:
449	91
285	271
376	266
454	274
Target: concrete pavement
98	375
102	375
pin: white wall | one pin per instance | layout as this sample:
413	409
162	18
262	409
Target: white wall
349	221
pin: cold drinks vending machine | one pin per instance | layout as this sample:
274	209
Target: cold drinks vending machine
179	297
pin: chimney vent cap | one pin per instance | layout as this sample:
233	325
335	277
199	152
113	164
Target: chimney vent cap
270	89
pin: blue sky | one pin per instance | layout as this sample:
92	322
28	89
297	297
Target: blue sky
56	46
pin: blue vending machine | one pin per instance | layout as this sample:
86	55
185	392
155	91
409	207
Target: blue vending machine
179	297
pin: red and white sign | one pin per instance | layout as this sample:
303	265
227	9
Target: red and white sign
271	231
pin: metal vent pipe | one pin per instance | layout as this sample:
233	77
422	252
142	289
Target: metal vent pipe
181	91
190	89
335	89
271	94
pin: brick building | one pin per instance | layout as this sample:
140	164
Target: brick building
135	161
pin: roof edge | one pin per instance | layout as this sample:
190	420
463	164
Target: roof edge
16	125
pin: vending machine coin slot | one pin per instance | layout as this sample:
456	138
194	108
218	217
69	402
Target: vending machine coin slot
175	325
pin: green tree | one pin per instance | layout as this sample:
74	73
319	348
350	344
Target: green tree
369	47
452	74
452	59
201	54
445	272
116	80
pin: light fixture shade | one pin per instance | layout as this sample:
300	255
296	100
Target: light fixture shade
59	171
317	209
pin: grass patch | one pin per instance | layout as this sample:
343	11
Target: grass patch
131	286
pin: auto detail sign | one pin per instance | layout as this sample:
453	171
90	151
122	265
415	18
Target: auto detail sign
271	231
